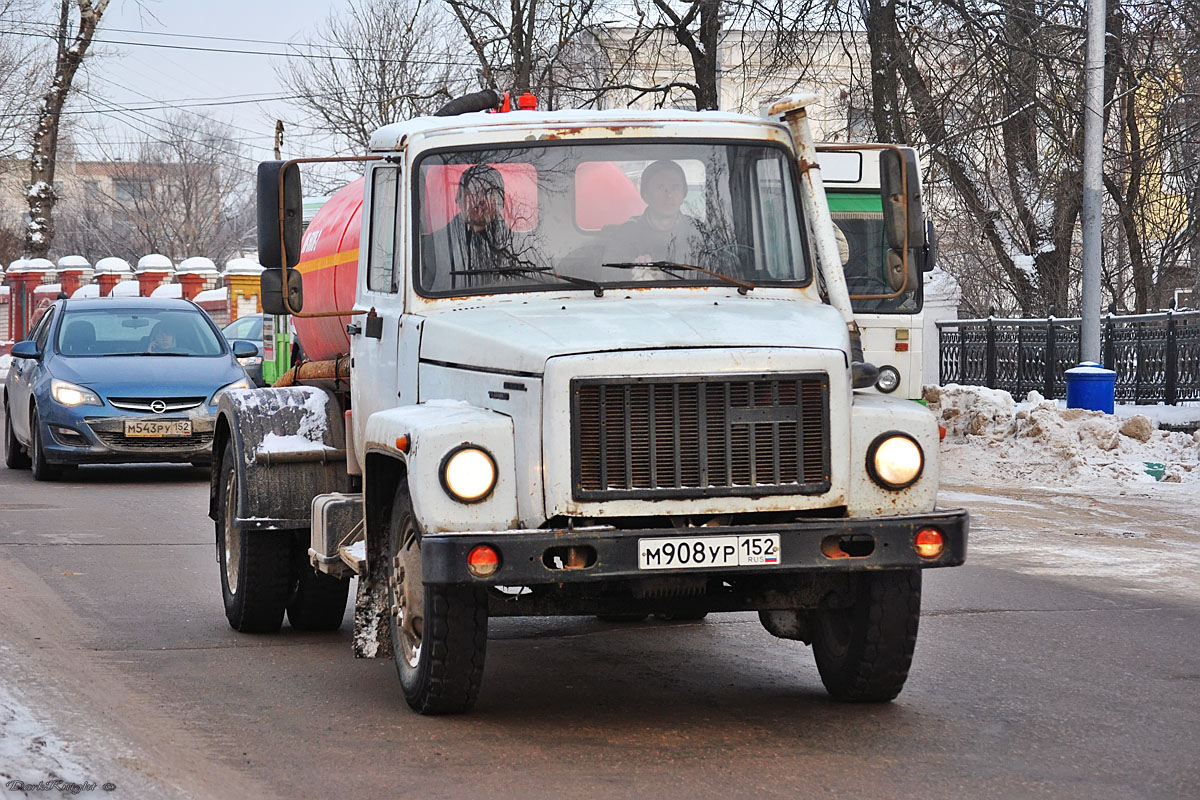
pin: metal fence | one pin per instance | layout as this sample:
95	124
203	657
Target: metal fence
1156	356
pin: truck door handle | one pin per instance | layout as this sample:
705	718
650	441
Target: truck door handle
353	330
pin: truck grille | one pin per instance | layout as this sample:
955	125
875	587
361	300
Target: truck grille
678	437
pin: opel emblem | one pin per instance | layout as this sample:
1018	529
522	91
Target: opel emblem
158	406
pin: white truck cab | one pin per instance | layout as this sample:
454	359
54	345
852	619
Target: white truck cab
596	363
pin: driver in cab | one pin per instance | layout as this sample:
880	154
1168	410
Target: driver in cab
662	232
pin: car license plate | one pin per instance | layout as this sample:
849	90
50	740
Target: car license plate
158	427
708	552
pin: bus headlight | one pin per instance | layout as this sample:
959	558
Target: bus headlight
468	473
895	460
888	380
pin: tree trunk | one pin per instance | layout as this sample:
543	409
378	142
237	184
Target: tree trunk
39	234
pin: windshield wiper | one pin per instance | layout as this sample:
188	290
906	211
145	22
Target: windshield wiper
667	266
596	288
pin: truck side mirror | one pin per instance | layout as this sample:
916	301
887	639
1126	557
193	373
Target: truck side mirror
272	246
902	210
271	287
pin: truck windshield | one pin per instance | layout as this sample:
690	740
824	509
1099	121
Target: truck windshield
608	213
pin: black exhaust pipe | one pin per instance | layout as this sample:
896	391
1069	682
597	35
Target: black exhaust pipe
476	101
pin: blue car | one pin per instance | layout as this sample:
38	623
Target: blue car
115	381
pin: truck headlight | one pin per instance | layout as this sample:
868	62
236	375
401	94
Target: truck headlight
895	460
468	473
69	394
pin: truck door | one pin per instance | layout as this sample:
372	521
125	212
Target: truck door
374	343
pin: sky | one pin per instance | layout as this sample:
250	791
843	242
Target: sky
137	76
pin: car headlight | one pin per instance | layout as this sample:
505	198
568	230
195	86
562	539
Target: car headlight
468	473
888	380
250	361
71	395
895	460
243	383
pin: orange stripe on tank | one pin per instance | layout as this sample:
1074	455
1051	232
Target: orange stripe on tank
315	264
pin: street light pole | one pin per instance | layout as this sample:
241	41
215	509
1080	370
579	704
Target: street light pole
1093	180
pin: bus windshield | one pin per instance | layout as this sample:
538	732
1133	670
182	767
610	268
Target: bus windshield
579	216
873	286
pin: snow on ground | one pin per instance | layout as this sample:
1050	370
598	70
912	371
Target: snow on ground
993	441
1059	492
30	751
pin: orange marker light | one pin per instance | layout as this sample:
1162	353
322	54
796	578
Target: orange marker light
483	561
402	444
901	347
929	543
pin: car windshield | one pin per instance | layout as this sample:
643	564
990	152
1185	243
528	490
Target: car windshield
249	328
588	216
137	332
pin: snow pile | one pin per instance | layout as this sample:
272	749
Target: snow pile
990	439
5	363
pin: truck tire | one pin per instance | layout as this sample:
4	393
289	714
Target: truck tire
257	572
439	633
319	602
863	652
15	456
42	470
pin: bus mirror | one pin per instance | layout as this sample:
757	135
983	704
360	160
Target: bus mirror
900	191
930	247
271	287
271	245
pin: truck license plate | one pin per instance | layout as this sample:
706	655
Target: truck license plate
157	427
708	552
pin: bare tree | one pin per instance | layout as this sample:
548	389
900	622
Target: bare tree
374	63
73	36
21	64
183	193
526	45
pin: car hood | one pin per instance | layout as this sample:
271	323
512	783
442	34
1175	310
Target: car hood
522	337
149	376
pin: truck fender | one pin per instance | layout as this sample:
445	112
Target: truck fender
288	446
871	416
430	432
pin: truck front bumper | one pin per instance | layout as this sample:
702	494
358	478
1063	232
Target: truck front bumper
531	557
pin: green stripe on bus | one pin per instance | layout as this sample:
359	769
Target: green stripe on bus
857	201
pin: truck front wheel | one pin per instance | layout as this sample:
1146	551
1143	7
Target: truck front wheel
257	574
439	633
863	651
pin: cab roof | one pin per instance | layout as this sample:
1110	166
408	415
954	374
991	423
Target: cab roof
554	124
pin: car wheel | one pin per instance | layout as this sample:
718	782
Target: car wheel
15	456
319	602
257	573
439	633
42	470
863	652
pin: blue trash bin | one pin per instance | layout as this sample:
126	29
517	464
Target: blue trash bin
1091	386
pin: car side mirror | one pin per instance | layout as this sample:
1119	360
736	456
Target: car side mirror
26	349
244	349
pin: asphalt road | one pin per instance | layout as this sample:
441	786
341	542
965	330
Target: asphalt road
113	641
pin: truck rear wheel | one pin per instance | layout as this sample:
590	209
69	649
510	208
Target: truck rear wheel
863	652
439	633
319	602
257	574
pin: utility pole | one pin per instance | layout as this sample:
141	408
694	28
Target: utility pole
279	140
1093	179
1089	385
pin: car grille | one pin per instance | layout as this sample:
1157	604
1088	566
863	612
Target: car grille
743	435
118	441
144	403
